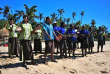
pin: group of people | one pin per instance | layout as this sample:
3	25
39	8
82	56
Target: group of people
65	40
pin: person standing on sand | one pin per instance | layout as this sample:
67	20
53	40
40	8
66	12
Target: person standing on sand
55	27
71	40
13	48
91	40
26	30
63	40
84	43
100	39
49	39
37	40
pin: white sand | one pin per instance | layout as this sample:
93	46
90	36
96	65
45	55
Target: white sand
97	63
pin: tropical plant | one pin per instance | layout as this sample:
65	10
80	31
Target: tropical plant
61	11
73	15
13	16
82	13
68	20
6	12
105	29
2	23
40	16
53	16
1	10
19	13
93	23
78	23
31	12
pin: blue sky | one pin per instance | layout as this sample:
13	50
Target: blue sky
94	9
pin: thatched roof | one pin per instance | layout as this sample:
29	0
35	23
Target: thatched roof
4	31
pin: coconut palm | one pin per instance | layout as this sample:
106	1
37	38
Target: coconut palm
53	16
20	13
2	23
87	26
93	23
105	29
31	12
1	10
61	11
82	13
78	23
64	19
40	16
13	16
73	15
6	12
68	20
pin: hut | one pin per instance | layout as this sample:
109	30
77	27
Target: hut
4	33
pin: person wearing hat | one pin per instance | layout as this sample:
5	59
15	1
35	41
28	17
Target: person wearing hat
56	42
91	40
26	30
84	40
49	39
13	48
100	39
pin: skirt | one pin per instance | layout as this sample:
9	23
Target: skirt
13	48
84	43
100	42
37	45
26	50
104	39
91	43
72	44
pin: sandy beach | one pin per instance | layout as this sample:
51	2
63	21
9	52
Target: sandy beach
96	63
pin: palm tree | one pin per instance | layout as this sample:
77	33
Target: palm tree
64	19
93	23
1	10
60	13
2	23
82	13
40	16
31	12
105	29
68	20
6	11
78	23
20	13
73	15
13	16
53	16
87	26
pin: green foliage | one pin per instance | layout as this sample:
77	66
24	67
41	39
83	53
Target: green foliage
53	16
82	13
60	11
68	20
31	12
104	28
78	23
6	11
40	16
93	23
2	23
